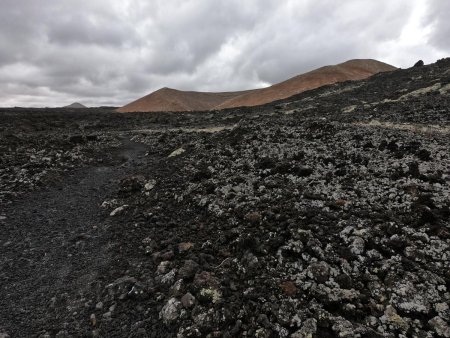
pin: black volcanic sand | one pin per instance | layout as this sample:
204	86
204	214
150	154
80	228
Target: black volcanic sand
323	215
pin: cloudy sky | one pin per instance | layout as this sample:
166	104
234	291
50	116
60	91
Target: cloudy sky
110	52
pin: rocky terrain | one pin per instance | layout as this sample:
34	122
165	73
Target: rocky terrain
168	99
322	215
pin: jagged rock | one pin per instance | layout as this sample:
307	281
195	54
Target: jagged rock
289	288
150	185
308	330
441	328
177	152
188	300
185	246
131	184
118	210
343	328
320	271
171	311
391	318
188	270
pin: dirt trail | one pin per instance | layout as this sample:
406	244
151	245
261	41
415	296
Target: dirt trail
53	246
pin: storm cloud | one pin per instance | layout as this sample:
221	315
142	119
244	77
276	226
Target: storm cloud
110	52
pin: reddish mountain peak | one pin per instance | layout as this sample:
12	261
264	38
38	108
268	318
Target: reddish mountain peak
169	99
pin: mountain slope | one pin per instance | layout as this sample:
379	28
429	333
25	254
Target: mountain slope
350	70
75	105
167	99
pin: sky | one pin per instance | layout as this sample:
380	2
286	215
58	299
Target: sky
111	52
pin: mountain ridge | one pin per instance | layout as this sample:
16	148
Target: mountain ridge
169	99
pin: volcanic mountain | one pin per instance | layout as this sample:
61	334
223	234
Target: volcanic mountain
75	105
167	99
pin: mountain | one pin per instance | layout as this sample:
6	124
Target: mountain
167	99
347	71
75	105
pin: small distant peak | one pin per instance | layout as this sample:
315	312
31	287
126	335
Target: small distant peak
75	105
418	64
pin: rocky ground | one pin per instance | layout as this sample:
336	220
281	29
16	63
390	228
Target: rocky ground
323	215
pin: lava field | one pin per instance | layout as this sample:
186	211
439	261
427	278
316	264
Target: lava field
323	215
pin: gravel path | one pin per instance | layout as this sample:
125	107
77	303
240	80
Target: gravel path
54	246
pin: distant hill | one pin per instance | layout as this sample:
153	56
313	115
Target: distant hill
167	99
75	105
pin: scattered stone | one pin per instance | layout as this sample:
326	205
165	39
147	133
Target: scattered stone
188	300
150	185
163	267
357	245
343	328
188	270
440	326
171	311
206	279
211	294
168	278
131	184
177	152
289	288
319	271
341	202
308	330
393	319
253	217
93	319
118	210
185	246
176	289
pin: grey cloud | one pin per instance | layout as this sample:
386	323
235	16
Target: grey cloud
323	34
186	33
438	18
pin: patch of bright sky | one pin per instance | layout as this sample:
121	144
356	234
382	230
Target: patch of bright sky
413	41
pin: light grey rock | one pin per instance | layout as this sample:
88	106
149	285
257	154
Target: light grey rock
118	210
163	267
308	330
440	326
343	328
188	300
150	185
171	311
319	271
357	245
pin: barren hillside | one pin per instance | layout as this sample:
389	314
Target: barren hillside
167	99
347	71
